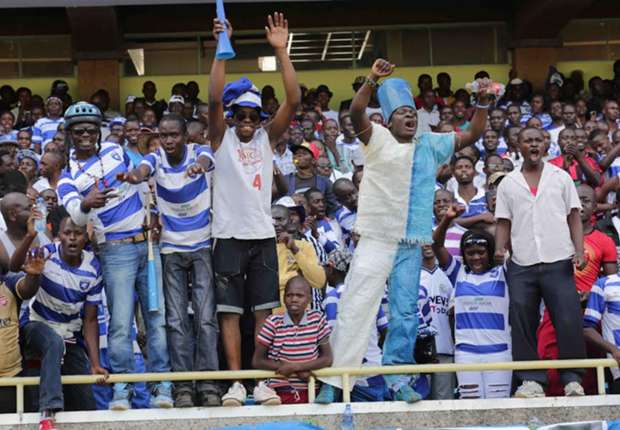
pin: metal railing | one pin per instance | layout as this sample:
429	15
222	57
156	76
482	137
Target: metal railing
345	373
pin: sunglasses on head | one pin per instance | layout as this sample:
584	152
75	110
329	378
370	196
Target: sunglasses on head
81	131
473	241
243	115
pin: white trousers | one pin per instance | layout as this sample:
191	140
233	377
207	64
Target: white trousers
484	385
358	305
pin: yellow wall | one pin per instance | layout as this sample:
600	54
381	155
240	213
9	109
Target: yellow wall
604	69
339	81
41	86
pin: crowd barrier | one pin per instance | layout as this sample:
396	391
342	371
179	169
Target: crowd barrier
344	372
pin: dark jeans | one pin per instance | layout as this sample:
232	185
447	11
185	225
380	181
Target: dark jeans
8	404
192	348
41	341
555	284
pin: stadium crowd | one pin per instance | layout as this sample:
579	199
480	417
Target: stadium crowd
194	235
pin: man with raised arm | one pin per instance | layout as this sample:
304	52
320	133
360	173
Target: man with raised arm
244	258
394	219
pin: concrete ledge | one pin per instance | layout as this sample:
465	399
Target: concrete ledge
425	414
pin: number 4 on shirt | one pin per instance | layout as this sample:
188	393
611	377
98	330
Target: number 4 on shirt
257	183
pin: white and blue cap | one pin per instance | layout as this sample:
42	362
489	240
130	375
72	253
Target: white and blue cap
117	120
244	94
394	93
28	153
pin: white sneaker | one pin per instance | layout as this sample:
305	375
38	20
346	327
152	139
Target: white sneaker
235	396
265	395
573	389
530	390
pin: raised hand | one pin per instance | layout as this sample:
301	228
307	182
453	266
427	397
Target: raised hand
454	211
220	27
382	68
35	261
97	198
277	30
194	169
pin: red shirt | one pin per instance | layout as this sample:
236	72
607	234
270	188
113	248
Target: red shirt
574	170
598	250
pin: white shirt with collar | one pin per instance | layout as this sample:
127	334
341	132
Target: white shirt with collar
539	227
427	119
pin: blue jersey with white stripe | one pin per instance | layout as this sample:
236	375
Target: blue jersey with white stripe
476	206
501	149
614	168
346	221
122	216
45	129
184	202
604	308
330	234
480	303
64	291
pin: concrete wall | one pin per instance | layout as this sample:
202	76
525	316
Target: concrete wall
367	416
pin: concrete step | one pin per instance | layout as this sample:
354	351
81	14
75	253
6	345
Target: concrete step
425	414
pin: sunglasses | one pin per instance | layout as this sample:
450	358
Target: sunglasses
81	131
473	241
243	115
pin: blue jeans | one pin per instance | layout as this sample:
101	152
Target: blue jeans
58	358
124	267
404	282
192	346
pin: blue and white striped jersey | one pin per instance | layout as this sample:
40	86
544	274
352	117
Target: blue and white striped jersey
45	129
476	206
604	308
123	215
346	221
480	302
184	202
330	234
64	291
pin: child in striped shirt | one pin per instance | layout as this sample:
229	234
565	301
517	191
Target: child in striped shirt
480	305
292	344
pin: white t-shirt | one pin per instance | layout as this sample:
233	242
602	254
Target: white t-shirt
427	119
242	187
331	114
439	289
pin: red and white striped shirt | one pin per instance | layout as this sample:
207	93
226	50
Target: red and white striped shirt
295	343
